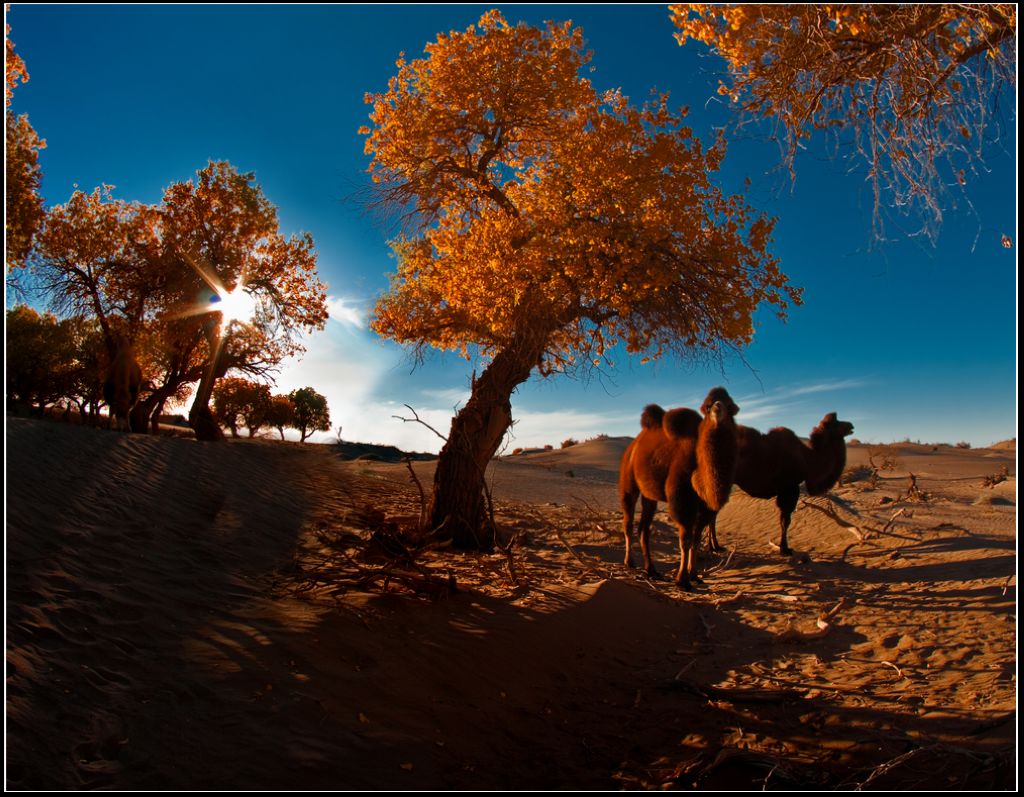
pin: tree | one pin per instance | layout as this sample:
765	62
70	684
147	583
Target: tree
280	414
223	234
552	223
24	205
310	412
909	87
241	401
40	361
150	271
101	257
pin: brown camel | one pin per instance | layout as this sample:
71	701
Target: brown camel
688	462
121	387
773	465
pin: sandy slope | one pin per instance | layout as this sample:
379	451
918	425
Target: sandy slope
183	615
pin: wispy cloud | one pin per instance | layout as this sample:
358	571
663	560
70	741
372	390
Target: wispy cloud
449	397
347	311
788	406
826	387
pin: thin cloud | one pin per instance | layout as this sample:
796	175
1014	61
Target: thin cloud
346	312
450	397
826	387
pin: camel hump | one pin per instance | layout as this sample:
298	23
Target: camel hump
681	423
651	417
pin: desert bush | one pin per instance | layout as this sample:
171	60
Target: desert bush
963	444
569	442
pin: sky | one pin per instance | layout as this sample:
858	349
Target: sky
905	339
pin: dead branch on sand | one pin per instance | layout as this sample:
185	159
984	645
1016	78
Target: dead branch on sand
691	773
395	556
962	765
825	623
996	478
423	495
586	565
862	532
510	559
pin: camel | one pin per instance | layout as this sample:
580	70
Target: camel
121	387
685	460
773	465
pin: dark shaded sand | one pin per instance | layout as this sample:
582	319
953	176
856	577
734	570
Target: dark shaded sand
184	615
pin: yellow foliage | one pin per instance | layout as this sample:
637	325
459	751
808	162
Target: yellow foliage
550	212
883	73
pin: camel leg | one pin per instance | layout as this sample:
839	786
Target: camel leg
685	516
628	499
708	519
786	501
647	509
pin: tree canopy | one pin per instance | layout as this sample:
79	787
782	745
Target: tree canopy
24	206
546	205
150	272
911	88
310	412
241	402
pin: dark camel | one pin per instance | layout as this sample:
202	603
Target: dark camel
774	465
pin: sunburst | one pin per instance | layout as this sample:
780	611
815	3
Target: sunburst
234	306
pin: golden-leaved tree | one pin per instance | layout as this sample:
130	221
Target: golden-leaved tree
24	210
910	88
221	233
148	272
553	222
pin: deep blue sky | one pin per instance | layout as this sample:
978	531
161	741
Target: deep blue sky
904	339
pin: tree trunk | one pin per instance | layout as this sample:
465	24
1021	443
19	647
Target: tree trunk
154	419
200	416
458	510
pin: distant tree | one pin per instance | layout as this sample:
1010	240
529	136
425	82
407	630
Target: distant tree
100	257
39	358
149	272
24	205
912	87
570	442
311	412
223	235
82	380
281	414
549	223
240	401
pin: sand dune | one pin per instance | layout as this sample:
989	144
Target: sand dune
183	615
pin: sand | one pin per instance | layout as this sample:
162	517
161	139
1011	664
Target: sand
186	615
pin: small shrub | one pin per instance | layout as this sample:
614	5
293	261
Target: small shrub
569	443
516	451
963	444
549	447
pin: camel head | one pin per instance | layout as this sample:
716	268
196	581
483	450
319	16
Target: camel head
719	395
716	453
831	428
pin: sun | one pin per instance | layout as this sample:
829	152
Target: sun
236	305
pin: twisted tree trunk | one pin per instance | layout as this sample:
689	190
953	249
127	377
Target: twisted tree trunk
458	510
